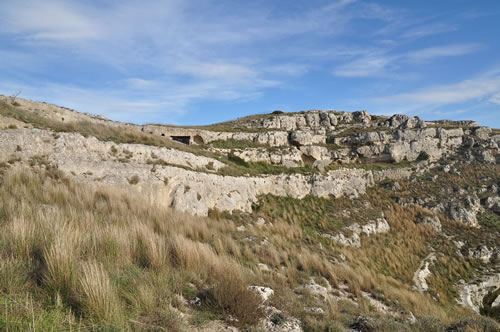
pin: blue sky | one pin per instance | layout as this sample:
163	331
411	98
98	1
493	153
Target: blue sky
199	62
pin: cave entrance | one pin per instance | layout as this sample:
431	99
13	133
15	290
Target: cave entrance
182	139
198	139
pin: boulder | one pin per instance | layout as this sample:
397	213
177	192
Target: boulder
264	292
493	203
316	152
301	138
362	116
482	132
432	221
482	253
465	211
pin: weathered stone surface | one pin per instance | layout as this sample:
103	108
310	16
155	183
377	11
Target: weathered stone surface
301	138
316	152
289	157
423	272
277	321
61	146
316	289
264	292
482	132
471	294
354	240
184	190
273	138
482	253
362	116
465	211
405	122
432	221
493	203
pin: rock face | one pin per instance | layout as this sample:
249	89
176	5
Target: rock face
423	272
185	190
465	211
288	157
483	253
353	136
471	294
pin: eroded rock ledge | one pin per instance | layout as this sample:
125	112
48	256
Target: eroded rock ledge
179	186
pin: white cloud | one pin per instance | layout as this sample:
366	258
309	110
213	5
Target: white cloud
289	69
368	66
495	99
172	39
139	83
48	20
426	30
442	51
385	65
217	70
479	88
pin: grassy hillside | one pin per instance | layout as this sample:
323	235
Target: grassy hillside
79	257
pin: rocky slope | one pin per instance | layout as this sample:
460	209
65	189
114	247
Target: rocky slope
340	173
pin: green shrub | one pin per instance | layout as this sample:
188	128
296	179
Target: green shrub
423	156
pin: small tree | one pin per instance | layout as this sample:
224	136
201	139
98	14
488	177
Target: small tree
13	98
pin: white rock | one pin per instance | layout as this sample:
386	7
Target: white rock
260	221
264	292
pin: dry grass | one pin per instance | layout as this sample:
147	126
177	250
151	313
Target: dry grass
98	254
107	259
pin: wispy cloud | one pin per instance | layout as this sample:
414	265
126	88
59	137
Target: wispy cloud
48	20
495	98
162	58
442	51
367	66
217	70
429	29
485	87
193	53
385	64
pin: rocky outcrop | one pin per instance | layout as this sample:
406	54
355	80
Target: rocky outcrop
351	236
401	121
492	203
460	209
69	146
288	157
353	136
483	253
471	295
423	272
167	184
432	221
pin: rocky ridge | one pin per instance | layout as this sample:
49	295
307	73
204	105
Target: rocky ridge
342	152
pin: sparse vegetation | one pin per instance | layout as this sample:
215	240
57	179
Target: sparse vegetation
134	180
236	144
104	258
423	156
